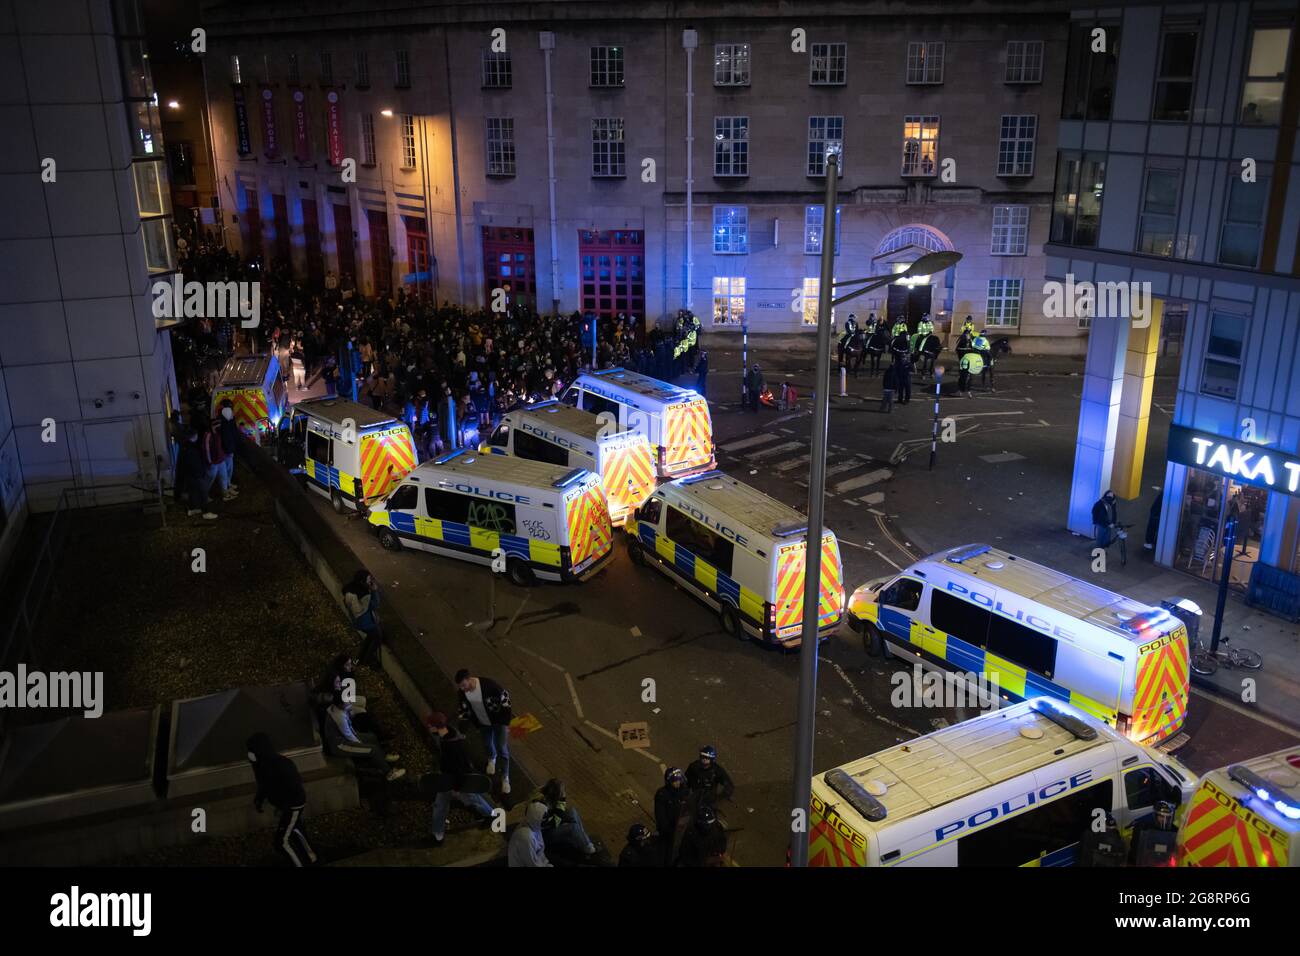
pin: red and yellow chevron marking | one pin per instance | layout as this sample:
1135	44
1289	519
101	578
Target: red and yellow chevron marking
250	406
385	459
831	842
590	532
683	424
830	602
791	562
1219	831
628	474
1162	678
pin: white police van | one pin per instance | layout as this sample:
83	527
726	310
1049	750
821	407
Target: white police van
978	610
543	521
352	454
740	552
1020	786
558	434
675	420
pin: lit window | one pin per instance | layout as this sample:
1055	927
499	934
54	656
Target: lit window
608	151
1261	94
828	64
812	301
1010	231
823	132
728	300
607	66
731	146
812	230
731	64
731	230
1016	145
408	141
1004	302
920	145
236	76
497	70
925	62
500	146
1024	61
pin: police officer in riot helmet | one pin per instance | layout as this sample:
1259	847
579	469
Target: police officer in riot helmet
708	778
642	848
704	843
671	806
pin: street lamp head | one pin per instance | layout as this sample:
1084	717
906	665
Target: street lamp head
930	263
938	371
834	149
385	112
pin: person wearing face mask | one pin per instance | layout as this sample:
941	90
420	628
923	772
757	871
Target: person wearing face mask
230	441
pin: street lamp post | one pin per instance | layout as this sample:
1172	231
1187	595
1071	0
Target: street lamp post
934	434
926	265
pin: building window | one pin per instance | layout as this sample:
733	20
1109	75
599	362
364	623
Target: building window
608	151
367	139
1159	219
1090	76
812	230
731	230
731	64
1261	95
326	68
266	68
1010	231
920	145
1243	222
828	64
925	62
408	141
607	66
812	301
402	69
1176	74
1004	302
1016	145
731	146
728	300
1221	373
823	132
236	76
1076	208
293	76
362	64
500	146
498	70
1024	61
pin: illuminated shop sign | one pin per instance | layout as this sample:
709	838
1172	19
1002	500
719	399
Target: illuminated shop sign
1243	462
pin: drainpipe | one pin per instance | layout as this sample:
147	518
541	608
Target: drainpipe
690	40
546	40
455	169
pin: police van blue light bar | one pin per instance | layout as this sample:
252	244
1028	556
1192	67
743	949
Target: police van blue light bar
1063	718
570	478
958	555
707	476
789	529
546	404
1266	790
449	456
852	791
611	371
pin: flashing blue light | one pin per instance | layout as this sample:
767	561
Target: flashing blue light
706	476
790	529
570	478
449	456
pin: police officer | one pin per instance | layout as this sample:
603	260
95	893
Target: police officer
1153	837
982	345
903	371
671	805
968	327
850	329
708	778
924	329
971	363
900	326
870	325
900	347
705	843
642	848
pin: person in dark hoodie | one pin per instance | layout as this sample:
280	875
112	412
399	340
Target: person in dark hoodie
454	765
671	806
279	782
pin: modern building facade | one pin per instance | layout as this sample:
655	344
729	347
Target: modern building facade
86	379
1178	168
643	157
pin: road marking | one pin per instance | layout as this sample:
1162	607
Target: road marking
647	754
854	543
887	561
880	520
787	418
1005	456
750	442
1246	712
847	466
850	502
862	480
601	730
791	463
533	653
774	450
573	693
875	498
863	700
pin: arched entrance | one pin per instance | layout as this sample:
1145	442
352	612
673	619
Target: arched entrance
930	295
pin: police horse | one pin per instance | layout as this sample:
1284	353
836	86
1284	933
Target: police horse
1000	346
924	357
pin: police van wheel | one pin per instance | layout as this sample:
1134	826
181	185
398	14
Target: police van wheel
520	573
336	501
389	541
731	622
635	553
871	640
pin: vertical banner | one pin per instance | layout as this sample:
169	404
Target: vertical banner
270	144
301	146
243	135
334	131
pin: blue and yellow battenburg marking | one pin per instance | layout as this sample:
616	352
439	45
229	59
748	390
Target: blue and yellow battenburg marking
467	537
329	477
688	566
1013	681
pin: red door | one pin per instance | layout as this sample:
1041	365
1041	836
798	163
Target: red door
381	258
613	272
347	251
281	210
509	263
417	255
251	214
311	235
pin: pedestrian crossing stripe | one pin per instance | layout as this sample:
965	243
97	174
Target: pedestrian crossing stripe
687	565
464	537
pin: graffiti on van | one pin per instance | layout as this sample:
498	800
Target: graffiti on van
536	529
490	517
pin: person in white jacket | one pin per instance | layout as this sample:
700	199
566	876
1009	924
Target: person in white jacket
526	847
344	740
361	597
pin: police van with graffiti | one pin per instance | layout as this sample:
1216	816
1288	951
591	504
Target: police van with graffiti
740	552
259	396
1033	631
1246	814
674	420
1020	786
352	454
555	433
526	519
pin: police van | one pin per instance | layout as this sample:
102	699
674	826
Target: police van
977	610
260	398
542	521
740	552
352	454
560	435
1247	814
674	420
1020	786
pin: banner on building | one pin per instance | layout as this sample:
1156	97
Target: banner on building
1245	463
243	134
270	143
301	136
334	127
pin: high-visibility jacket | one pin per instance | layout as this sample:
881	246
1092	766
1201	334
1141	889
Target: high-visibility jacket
981	344
900	328
972	362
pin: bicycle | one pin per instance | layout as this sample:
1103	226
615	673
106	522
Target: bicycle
1206	662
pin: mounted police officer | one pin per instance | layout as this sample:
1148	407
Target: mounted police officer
850	330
